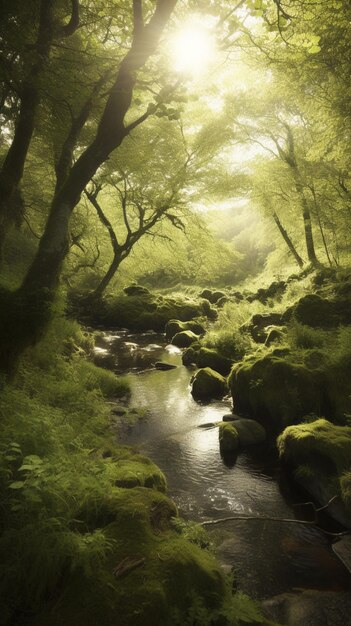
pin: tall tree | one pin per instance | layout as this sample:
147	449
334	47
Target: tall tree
21	322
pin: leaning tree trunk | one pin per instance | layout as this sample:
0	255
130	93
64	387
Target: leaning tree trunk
307	221
288	241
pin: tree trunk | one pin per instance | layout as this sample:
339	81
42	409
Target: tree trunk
307	221
288	241
11	203
105	281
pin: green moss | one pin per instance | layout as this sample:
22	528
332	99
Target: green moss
208	384
276	392
184	339
322	449
297	443
228	437
175	326
148	311
206	357
160	589
139	471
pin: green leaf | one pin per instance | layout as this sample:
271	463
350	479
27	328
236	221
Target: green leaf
17	484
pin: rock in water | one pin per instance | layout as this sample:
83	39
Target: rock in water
161	365
250	432
208	384
184	339
228	438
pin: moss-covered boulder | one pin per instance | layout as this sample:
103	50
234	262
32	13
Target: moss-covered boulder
138	471
184	339
228	438
320	455
250	432
136	290
212	296
319	312
176	326
148	574
207	357
277	392
148	311
274	334
208	384
260	323
263	294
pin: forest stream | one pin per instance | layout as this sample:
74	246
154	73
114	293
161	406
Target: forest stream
268	557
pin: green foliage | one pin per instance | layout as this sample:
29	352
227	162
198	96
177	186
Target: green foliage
193	532
305	337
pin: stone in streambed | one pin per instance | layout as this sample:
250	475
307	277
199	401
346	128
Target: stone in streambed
161	365
176	326
250	432
230	417
309	608
184	339
208	384
228	438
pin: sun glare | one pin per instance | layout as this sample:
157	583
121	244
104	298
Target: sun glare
192	48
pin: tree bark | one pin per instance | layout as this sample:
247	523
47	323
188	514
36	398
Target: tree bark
11	203
288	241
307	220
288	155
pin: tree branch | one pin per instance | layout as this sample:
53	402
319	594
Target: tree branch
71	27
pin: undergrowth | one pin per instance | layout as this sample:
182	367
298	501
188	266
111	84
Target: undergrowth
54	430
76	508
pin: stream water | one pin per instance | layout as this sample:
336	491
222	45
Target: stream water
268	557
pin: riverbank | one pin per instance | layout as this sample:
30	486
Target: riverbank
88	533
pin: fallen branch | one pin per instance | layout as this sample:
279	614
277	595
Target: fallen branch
267	518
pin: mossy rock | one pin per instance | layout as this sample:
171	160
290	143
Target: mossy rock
228	437
320	454
212	296
136	290
189	356
317	312
149	576
176	326
222	301
184	339
208	310
206	357
274	335
147	311
258	324
250	432
277	392
138	471
208	384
